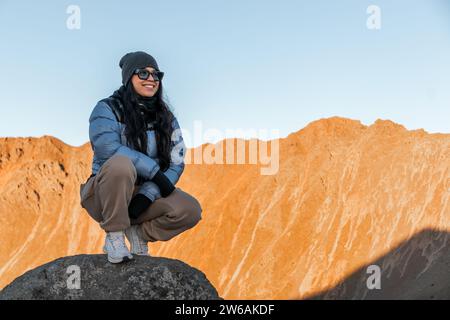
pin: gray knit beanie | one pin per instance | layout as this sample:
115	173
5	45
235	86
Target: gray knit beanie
135	60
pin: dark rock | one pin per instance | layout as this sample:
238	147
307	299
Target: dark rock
142	278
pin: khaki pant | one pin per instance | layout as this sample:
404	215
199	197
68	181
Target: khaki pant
106	197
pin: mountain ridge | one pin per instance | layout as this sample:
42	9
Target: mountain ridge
344	194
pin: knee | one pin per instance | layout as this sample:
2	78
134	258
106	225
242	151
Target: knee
195	215
120	167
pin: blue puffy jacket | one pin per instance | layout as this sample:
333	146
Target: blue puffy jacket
107	137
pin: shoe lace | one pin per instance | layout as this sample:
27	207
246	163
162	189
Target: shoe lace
141	243
117	241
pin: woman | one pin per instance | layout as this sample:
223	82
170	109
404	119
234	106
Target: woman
138	158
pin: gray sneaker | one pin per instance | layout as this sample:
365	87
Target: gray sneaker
115	247
138	243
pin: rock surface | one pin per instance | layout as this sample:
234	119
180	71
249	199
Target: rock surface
92	277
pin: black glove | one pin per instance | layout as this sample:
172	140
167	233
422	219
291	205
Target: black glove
165	186
137	205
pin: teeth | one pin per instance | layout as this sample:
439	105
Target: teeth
149	85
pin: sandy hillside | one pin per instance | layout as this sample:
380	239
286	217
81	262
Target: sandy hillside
345	195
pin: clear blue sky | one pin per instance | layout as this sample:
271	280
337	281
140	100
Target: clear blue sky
229	63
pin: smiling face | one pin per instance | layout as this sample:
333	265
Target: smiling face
146	88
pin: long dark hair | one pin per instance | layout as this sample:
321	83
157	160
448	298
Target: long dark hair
135	125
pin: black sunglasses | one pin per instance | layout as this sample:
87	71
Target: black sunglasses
144	74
